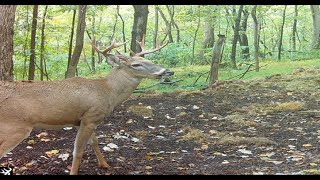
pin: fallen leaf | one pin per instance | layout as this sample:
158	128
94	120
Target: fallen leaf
276	162
64	157
307	145
105	148
44	139
129	121
42	134
112	146
267	154
151	127
67	128
244	151
148	167
313	164
52	152
31	141
204	147
195	107
225	162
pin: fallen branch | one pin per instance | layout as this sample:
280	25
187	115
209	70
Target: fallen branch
142	90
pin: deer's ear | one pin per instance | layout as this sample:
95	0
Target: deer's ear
112	60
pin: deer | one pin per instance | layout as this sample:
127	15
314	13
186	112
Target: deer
77	102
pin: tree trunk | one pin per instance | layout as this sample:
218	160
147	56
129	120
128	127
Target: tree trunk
195	37
25	46
255	37
316	26
33	43
71	39
43	69
79	42
172	22
216	59
281	33
156	26
139	26
93	52
123	32
168	26
236	37
294	28
243	38
7	17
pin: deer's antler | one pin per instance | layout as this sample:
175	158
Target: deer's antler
143	51
108	49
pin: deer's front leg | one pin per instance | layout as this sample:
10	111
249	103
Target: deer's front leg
84	133
95	145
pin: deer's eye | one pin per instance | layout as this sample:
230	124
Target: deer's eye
136	65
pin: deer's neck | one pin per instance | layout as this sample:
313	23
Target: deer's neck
122	85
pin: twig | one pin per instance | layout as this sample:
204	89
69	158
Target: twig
199	78
246	71
141	90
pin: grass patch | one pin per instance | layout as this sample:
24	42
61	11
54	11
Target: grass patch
141	110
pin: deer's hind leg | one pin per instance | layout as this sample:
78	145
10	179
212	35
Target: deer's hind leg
95	145
11	135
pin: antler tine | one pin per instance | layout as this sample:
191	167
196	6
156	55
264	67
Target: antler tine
143	52
108	49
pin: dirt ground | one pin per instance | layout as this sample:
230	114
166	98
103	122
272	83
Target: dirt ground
266	126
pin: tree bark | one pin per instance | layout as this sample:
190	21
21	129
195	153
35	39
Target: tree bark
7	17
195	37
93	52
236	37
168	26
139	26
79	42
25	46
243	38
33	43
71	39
156	26
216	59
316	26
123	32
294	28
281	32
173	22
255	37
43	69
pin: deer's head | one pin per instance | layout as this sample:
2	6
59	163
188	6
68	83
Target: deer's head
135	65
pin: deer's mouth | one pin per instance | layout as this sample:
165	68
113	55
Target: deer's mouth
164	72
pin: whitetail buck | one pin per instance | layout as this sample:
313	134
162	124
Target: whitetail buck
79	102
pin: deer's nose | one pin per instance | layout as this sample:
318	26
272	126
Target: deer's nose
168	72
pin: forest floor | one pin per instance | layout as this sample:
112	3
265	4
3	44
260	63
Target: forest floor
265	126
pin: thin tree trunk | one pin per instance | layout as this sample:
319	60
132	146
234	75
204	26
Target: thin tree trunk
114	27
93	52
79	42
139	26
71	38
243	38
281	33
294	28
42	63
25	46
123	32
255	37
168	26
33	43
216	59
7	17
316	26
173	22
156	26
195	36
236	37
